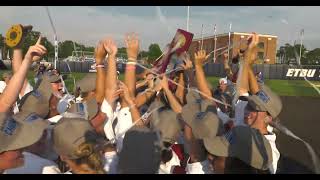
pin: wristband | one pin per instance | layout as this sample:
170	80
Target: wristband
100	66
132	59
130	68
131	63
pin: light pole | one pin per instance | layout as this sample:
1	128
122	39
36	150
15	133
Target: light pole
230	26
301	37
55	39
188	14
215	43
201	37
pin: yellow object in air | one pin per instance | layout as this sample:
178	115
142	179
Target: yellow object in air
14	35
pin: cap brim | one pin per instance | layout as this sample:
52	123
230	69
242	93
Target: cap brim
188	113
218	146
29	134
92	108
256	103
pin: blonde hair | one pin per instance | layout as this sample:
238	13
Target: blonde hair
87	155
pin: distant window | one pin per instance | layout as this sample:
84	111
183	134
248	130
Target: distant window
261	45
260	55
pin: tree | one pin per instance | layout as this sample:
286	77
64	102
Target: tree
143	54
2	46
154	52
122	53
66	48
291	53
313	56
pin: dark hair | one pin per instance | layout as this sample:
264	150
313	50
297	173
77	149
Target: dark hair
166	153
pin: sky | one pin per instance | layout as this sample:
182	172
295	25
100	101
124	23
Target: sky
158	24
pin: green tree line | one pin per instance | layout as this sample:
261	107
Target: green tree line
66	48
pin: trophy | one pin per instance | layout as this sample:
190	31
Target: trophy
180	43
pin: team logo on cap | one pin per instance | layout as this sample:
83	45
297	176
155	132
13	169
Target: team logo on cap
9	126
32	117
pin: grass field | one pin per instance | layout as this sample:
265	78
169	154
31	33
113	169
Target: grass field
281	87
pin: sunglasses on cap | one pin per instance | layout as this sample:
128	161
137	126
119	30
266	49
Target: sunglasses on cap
263	96
250	108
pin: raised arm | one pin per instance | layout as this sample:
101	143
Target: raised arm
203	86
16	63
100	55
246	65
226	66
187	64
132	43
180	89
174	103
111	81
135	114
253	83
11	92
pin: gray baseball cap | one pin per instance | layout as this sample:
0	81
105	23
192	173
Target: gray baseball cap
70	133
201	116
37	101
165	121
244	143
266	100
87	83
20	130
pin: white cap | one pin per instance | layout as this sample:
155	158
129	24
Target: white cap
223	80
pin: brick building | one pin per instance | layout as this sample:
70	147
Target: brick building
266	53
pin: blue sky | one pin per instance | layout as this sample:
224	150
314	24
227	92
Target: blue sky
158	24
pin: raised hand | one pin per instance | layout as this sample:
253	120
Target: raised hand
100	53
200	57
253	41
251	52
110	46
132	44
36	51
187	62
125	93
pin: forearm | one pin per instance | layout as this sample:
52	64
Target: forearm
180	89
141	84
191	78
16	60
143	97
253	83
135	114
202	82
11	92
111	81
243	76
16	63
130	79
227	69
100	81
174	104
